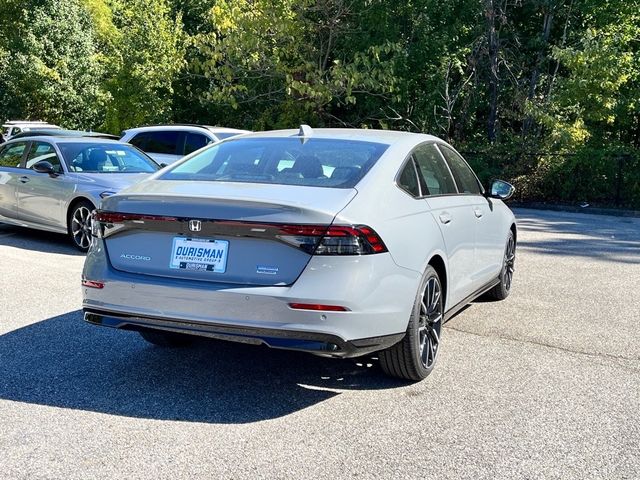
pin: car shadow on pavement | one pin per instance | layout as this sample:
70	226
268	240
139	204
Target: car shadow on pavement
36	240
64	362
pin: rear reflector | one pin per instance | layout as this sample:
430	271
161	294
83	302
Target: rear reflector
92	284
318	307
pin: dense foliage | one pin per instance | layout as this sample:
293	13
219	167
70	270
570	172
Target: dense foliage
507	82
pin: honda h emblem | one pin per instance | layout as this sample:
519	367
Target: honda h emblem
195	225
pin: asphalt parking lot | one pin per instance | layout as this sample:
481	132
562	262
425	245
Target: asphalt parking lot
543	385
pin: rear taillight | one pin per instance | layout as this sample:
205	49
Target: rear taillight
333	240
312	239
110	222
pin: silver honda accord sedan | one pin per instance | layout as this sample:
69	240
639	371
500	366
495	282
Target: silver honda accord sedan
335	242
54	183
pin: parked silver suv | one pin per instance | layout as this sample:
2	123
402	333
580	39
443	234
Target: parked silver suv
168	143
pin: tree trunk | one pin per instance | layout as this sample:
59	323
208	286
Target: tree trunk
493	47
535	75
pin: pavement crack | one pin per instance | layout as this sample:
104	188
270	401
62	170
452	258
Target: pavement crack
548	345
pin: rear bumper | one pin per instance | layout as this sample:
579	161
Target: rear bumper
313	342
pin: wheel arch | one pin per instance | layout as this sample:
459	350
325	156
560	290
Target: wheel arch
439	265
73	203
514	229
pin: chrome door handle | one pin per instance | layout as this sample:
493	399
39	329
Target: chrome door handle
24	179
478	213
445	218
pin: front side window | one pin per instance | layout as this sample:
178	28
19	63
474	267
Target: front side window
11	155
105	158
437	177
282	160
41	151
465	178
157	142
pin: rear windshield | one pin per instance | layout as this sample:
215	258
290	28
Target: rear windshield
283	161
106	158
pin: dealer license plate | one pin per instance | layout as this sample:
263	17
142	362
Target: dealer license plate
199	254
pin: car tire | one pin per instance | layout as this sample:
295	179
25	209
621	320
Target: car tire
162	338
79	225
414	357
501	291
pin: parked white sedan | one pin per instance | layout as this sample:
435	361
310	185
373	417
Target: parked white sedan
336	242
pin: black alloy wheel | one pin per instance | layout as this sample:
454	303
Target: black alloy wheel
502	290
414	357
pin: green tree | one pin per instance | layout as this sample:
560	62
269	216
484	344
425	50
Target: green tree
147	55
279	63
50	68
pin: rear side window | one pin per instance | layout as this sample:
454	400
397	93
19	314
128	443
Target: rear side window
465	178
194	141
408	179
437	177
11	155
282	160
157	142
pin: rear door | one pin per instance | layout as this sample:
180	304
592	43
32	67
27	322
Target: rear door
11	157
42	197
454	215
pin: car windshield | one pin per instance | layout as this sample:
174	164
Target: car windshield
105	158
317	162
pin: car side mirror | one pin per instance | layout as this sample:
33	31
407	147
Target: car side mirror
44	167
501	190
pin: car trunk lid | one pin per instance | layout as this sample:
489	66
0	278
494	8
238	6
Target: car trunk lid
244	234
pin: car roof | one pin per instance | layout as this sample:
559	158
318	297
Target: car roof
368	135
28	123
185	127
56	132
63	139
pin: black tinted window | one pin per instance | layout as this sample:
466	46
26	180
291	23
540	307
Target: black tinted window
434	171
408	180
41	151
465	178
285	161
194	141
157	142
11	155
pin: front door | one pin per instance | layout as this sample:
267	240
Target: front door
454	215
41	196
489	243
10	173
